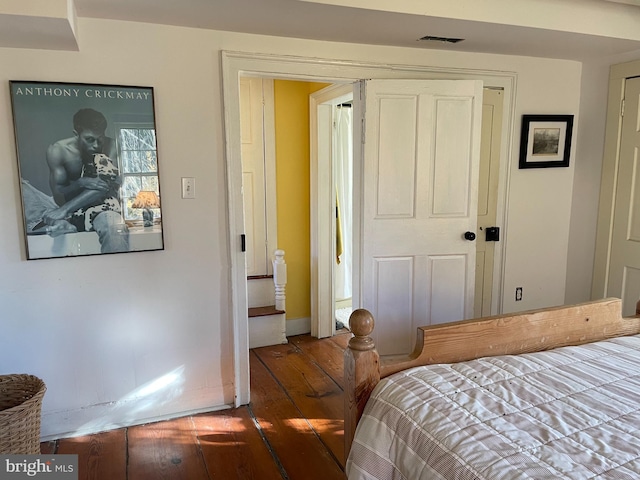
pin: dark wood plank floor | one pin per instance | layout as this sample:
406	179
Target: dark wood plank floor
292	429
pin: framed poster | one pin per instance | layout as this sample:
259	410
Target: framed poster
545	141
88	165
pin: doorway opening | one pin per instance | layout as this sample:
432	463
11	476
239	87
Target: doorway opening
342	143
288	177
331	146
236	64
330	195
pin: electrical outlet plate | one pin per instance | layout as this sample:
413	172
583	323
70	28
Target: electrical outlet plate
518	294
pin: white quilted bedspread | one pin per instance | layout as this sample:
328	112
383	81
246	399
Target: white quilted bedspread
569	413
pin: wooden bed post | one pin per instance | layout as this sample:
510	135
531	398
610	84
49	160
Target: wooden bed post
361	372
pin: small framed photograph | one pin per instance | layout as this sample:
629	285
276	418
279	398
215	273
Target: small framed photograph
88	165
545	141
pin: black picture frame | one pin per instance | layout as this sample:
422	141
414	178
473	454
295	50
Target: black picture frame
88	168
545	141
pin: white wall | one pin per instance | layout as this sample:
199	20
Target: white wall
98	329
540	199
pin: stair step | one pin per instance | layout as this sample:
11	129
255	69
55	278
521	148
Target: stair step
264	311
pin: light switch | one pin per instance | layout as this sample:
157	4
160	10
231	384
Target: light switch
188	187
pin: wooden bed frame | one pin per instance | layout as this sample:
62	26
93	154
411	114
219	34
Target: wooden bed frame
522	332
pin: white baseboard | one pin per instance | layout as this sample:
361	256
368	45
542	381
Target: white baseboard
126	413
344	303
298	326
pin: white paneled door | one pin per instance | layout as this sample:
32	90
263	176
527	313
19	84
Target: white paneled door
419	145
258	173
253	174
624	272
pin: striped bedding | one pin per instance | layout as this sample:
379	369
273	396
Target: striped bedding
572	412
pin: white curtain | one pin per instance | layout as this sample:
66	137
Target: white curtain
343	168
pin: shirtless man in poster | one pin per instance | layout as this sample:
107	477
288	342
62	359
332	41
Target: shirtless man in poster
85	182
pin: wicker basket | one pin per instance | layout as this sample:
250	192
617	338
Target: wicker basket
20	406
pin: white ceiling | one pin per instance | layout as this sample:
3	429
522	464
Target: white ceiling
567	29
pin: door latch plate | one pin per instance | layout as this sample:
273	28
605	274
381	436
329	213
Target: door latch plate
492	234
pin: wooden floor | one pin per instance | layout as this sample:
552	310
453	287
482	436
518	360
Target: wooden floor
292	429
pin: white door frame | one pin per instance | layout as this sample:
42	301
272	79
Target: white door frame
331	71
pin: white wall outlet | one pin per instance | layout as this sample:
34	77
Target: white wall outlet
188	187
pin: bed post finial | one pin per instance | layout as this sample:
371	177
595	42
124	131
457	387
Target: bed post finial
361	371
361	324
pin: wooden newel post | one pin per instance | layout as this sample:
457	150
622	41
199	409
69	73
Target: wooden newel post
361	371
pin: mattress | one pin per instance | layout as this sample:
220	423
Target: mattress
572	412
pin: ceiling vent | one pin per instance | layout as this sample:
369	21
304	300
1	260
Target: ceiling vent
429	38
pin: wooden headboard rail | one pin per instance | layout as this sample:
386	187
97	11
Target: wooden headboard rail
524	332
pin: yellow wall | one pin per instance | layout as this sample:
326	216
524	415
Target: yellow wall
292	172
